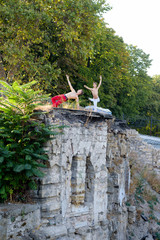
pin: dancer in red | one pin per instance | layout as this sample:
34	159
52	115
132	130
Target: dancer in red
57	100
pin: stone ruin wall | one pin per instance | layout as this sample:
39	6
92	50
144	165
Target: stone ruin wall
143	153
84	191
73	193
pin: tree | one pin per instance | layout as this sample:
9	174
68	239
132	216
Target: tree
111	59
42	39
139	63
152	106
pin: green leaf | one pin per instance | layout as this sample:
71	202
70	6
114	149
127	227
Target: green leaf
1	159
37	172
9	164
2	190
26	139
33	185
13	145
5	84
16	131
29	174
19	168
27	166
41	165
28	158
42	157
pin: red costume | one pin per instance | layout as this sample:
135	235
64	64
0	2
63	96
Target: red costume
57	100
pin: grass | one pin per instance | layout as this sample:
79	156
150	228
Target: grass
46	107
153	179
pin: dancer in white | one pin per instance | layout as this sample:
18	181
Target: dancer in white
94	91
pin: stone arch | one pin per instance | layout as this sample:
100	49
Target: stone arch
89	182
78	180
73	179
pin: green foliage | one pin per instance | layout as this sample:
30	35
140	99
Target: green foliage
153	105
39	39
139	190
44	40
20	100
111	60
21	138
145	124
151	108
138	65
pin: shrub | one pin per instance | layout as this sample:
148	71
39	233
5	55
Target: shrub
22	137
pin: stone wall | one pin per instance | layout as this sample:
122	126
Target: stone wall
118	182
18	219
84	190
73	192
87	178
142	153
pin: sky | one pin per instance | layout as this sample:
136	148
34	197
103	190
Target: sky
138	23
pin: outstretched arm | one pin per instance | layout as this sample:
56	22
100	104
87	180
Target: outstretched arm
69	83
87	87
100	82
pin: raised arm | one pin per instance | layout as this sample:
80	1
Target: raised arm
100	82
87	87
69	83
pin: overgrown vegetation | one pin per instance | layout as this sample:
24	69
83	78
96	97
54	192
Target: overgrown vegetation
22	137
144	192
153	179
140	179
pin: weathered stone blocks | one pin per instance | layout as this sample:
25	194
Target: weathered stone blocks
83	193
17	219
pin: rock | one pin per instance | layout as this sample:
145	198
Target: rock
132	209
37	235
26	237
131	214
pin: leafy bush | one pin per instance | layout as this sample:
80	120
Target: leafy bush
22	136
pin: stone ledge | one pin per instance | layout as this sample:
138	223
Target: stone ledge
55	231
17	209
80	116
